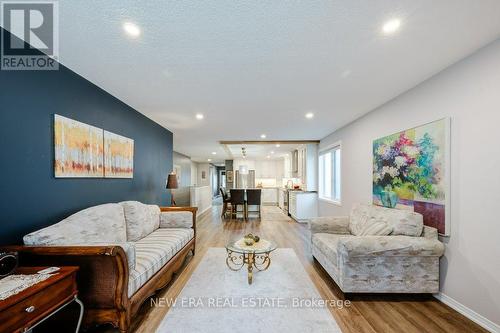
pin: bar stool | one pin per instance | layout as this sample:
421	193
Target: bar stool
237	199
226	201
254	199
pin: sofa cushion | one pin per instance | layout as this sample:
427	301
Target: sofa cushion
176	220
327	244
376	228
389	246
141	219
154	251
402	222
103	223
360	215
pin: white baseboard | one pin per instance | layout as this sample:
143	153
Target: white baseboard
204	211
472	315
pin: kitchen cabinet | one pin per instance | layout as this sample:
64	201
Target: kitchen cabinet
281	198
305	165
303	205
287	168
269	196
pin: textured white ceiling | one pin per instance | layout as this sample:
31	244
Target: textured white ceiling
255	67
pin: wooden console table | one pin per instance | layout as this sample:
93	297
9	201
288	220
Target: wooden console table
23	311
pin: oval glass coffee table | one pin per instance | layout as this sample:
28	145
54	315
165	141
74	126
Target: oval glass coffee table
256	255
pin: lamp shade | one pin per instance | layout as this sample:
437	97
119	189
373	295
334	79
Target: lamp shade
172	181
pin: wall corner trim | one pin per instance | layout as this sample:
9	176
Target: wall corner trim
469	313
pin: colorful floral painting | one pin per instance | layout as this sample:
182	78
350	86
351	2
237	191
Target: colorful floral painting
410	171
78	149
118	156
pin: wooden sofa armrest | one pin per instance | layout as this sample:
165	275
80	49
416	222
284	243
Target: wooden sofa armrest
103	275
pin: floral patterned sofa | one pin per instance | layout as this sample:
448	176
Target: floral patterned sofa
125	251
378	250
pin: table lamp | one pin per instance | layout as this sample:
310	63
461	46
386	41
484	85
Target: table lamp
172	184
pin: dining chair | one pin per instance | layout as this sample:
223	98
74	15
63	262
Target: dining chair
237	198
226	201
254	199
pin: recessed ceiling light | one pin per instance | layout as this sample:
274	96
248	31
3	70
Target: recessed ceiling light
391	26
278	145
132	29
272	152
263	136
210	160
199	116
214	153
268	156
309	115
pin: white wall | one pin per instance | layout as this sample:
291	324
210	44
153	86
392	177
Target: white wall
469	93
194	173
201	197
203	167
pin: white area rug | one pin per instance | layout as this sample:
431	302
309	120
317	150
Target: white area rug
216	299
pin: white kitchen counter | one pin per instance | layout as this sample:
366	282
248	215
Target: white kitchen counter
303	205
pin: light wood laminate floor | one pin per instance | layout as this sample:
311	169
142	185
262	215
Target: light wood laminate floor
368	313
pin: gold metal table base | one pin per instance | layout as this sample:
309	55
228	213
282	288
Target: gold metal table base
235	261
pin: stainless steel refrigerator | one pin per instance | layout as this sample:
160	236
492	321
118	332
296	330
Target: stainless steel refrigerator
244	180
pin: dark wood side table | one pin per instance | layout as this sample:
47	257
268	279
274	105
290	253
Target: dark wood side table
30	307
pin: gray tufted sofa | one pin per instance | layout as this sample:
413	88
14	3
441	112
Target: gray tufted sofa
378	250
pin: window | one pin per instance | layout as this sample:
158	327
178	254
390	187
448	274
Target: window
329	174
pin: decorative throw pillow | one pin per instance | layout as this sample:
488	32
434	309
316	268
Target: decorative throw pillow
403	222
359	218
141	219
376	228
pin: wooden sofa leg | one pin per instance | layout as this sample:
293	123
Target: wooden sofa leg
124	322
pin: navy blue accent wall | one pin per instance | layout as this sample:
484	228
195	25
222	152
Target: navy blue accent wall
30	196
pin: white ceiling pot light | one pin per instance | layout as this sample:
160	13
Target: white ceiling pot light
391	26
132	29
263	136
309	115
200	116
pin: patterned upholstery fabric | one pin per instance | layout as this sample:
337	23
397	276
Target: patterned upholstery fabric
176	220
376	228
330	224
103	223
390	246
154	251
402	222
141	219
328	244
360	215
429	232
378	264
